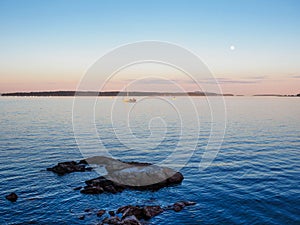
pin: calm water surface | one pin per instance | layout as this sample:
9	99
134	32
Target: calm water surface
253	180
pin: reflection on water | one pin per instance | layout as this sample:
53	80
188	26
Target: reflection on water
253	179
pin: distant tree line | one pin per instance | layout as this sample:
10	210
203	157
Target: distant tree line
109	93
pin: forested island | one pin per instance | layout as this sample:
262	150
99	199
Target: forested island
109	93
276	95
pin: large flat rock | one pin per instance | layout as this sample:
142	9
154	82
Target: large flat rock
123	175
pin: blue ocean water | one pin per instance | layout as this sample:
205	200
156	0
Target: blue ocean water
254	178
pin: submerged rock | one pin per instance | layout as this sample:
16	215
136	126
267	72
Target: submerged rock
178	206
13	197
101	212
77	188
131	220
189	203
69	167
81	217
146	212
111	213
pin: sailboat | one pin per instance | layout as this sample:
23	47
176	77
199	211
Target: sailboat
127	99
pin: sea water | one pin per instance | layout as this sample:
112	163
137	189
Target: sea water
254	178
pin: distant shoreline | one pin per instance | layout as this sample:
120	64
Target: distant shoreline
108	93
120	93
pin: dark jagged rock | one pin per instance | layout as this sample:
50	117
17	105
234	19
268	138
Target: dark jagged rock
69	167
92	190
139	212
131	215
178	206
151	211
81	217
110	189
111	213
122	209
131	220
133	210
77	188
113	187
13	197
189	203
101	212
112	220
132	175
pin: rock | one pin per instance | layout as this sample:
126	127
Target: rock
178	206
131	220
132	214
77	188
151	211
176	178
112	220
81	217
111	213
121	175
92	190
101	212
88	210
69	167
146	212
13	197
130	175
110	189
83	161
133	210
189	203
122	209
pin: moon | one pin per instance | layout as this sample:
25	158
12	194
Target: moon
232	47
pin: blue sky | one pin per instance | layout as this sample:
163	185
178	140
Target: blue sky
50	44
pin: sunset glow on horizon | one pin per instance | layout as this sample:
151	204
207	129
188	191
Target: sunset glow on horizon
249	47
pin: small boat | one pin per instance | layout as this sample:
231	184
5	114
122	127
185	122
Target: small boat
129	100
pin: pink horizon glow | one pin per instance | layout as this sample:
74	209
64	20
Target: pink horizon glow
287	86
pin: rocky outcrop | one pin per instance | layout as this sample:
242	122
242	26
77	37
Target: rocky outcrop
109	185
131	220
133	215
178	206
121	175
151	211
101	212
13	197
69	167
129	175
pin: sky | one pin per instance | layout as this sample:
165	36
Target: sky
250	47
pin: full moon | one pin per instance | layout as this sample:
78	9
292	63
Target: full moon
232	47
